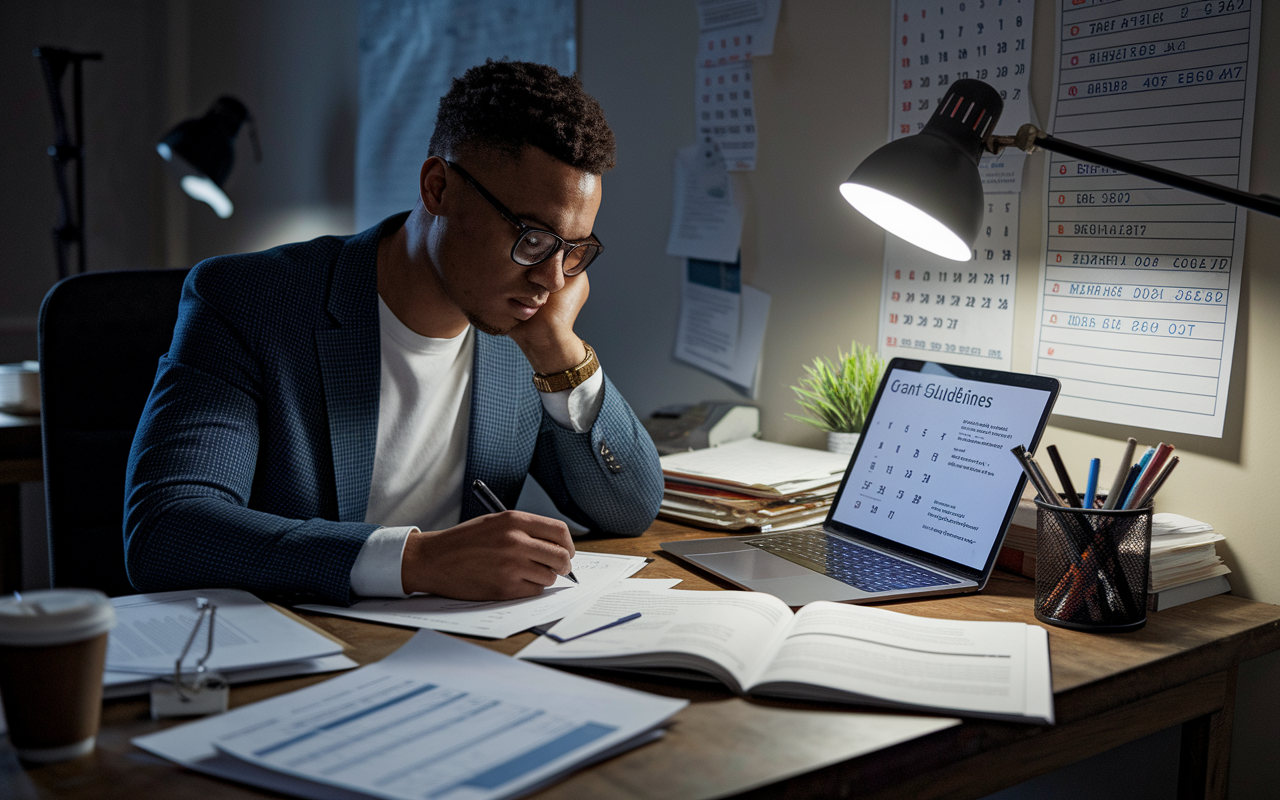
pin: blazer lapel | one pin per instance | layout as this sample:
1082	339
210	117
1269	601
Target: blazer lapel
349	353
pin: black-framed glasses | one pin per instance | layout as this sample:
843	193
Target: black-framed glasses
535	245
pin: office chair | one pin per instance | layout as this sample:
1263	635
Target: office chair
101	336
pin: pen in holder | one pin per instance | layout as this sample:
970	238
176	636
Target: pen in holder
1091	567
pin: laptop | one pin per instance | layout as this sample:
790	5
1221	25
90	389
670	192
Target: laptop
924	504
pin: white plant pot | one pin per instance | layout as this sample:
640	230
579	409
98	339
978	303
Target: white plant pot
842	443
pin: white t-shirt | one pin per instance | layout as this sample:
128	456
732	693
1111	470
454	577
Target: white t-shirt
423	416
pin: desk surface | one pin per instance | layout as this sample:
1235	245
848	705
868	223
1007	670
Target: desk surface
1109	689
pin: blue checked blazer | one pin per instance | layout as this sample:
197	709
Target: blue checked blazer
252	463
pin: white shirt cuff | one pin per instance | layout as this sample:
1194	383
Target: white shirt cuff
576	408
376	572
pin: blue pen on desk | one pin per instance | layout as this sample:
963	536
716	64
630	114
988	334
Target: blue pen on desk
493	505
543	631
1091	487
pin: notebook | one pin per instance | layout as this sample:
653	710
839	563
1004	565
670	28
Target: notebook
924	504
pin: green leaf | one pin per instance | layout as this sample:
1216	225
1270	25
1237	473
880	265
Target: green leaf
837	395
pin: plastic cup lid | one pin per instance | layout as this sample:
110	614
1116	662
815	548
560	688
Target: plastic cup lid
54	616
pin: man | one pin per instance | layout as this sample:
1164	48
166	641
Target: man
324	407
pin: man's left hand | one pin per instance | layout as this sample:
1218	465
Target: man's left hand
547	338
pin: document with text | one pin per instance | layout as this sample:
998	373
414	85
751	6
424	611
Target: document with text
1140	283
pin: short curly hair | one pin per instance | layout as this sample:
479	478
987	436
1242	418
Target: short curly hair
506	105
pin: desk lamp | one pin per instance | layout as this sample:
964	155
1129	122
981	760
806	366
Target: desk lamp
203	151
926	189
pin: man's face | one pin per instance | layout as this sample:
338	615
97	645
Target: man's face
471	242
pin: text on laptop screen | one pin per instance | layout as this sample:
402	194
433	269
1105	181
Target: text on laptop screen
934	471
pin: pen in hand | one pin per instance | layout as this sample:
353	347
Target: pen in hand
493	505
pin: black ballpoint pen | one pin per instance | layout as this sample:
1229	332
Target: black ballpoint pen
493	505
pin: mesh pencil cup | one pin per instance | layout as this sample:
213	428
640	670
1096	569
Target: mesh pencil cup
1091	567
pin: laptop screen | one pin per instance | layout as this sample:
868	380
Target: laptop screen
933	471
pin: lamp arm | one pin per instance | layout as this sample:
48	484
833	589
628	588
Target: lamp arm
1029	138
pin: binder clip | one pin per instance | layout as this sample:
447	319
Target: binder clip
206	692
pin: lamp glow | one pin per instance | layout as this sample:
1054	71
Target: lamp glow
205	190
906	221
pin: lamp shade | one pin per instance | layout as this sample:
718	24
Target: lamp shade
926	188
204	150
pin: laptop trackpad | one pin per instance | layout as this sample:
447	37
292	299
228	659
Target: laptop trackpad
749	565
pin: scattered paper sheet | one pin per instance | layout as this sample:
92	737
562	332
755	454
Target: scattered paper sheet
497	619
437	717
731	33
127	684
706	337
1140	284
707	219
151	630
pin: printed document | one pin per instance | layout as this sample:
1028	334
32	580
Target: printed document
1139	283
752	643
438	718
707	220
496	619
151	630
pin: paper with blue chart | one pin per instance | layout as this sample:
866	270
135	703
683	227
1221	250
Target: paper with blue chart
722	323
932	307
439	718
1139	283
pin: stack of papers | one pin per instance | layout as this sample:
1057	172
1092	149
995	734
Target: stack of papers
751	485
498	619
437	718
1183	551
251	640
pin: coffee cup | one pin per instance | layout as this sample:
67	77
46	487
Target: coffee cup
53	644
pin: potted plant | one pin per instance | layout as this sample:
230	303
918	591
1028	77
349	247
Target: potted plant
837	395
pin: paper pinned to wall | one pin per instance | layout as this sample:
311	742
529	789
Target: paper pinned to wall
722	323
948	40
707	221
932	307
731	33
1140	284
409	54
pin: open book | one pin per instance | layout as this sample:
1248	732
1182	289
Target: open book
753	644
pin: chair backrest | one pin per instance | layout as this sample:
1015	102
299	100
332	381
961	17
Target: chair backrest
101	337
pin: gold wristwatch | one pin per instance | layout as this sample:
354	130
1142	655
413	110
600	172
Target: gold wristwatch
574	376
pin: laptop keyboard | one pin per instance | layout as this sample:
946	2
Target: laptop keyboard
867	569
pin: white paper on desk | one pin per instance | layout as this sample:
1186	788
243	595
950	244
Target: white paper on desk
1139	283
693	346
496	619
128	684
706	221
151	630
580	624
506	742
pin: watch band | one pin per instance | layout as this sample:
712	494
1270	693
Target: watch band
574	376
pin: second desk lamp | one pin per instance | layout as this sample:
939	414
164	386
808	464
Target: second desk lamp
926	189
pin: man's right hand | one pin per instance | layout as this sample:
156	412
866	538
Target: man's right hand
495	557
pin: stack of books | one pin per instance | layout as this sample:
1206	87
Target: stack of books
1185	565
751	485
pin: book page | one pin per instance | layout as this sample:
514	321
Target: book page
882	655
729	630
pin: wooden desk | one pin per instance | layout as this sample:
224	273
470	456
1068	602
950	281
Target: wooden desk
1179	670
